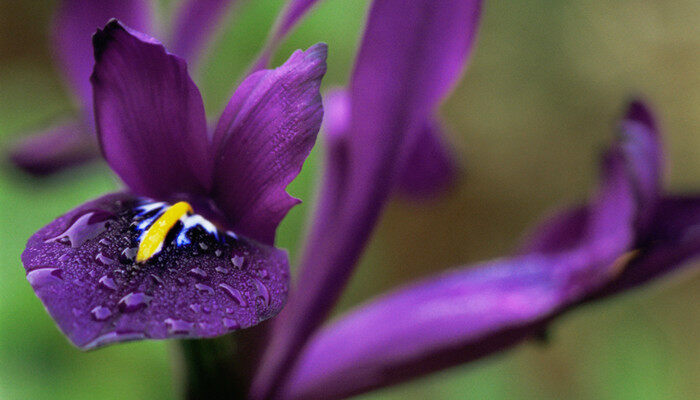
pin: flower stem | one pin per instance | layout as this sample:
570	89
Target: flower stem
212	369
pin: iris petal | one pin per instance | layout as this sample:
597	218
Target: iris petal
82	268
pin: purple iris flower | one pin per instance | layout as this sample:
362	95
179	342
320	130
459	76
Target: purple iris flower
187	250
73	142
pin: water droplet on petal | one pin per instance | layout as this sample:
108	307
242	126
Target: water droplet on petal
178	326
217	253
133	302
237	261
263	273
196	308
44	276
107	283
222	270
128	255
100	313
263	293
203	246
157	279
206	309
234	293
104	242
230	310
231	324
103	259
64	258
86	227
204	288
181	280
198	273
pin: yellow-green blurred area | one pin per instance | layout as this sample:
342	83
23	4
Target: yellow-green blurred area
535	108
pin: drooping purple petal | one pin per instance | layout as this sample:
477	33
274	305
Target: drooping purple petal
75	21
195	22
55	149
293	12
431	167
471	312
200	285
262	139
410	56
150	116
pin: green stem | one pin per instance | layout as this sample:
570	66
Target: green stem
211	370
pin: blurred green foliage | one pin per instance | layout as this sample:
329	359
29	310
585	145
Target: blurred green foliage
538	103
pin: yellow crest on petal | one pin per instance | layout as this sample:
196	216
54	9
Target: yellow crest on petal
152	241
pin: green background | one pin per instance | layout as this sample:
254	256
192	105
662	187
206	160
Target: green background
535	108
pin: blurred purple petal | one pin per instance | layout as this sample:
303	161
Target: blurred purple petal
150	116
262	139
469	313
81	267
431	167
411	55
194	24
673	241
640	141
75	22
293	12
55	149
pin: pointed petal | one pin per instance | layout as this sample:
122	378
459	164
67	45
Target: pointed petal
150	116
431	167
293	13
55	149
74	24
262	139
195	23
468	313
641	143
411	55
81	267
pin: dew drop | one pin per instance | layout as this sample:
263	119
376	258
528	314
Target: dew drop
222	270
128	255
196	308
234	293
181	280
107	283
217	252
133	302
64	258
204	288
178	326
230	310
263	293
206	309
104	242
203	246
263	273
44	276
103	259
86	227
100	313
198	273
231	324
237	261
157	279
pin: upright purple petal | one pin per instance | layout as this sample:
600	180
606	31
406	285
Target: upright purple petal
410	56
640	141
293	12
150	116
195	22
431	167
75	22
57	148
201	284
468	313
262	139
